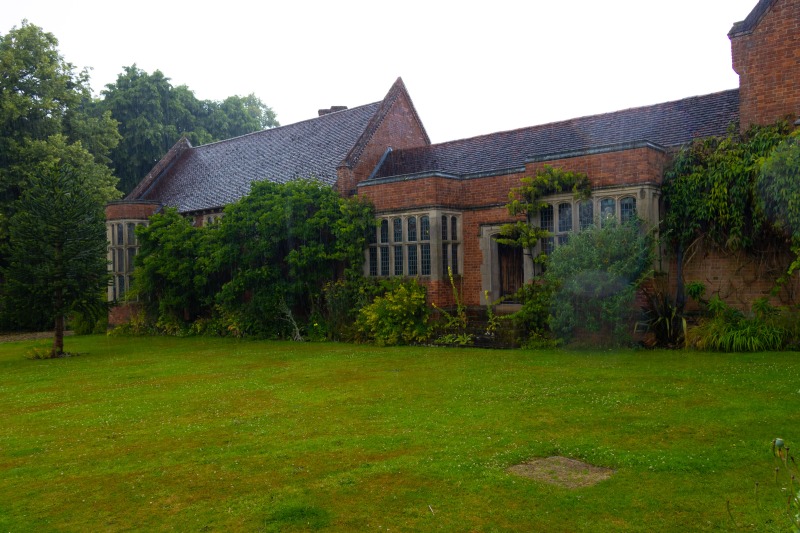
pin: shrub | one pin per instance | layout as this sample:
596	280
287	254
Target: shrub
86	324
532	318
595	276
345	298
137	325
398	317
729	330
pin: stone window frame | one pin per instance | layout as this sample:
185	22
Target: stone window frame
123	247
619	200
418	252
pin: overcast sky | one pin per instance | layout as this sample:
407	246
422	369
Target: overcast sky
471	68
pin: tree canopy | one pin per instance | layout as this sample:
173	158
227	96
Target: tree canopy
153	115
46	115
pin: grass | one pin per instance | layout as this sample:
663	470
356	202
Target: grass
223	435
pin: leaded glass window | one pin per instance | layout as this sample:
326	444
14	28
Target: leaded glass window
397	223
424	228
384	231
608	210
412	260
425	268
398	260
564	218
412	228
627	208
384	260
585	214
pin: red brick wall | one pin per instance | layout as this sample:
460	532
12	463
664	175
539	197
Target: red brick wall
638	166
625	167
739	278
482	201
768	63
131	210
399	129
122	313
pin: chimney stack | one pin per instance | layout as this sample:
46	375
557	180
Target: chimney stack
333	109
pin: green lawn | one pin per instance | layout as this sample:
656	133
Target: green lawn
221	435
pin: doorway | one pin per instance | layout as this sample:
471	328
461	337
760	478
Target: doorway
510	266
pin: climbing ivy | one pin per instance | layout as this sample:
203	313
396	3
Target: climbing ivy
527	200
710	193
779	190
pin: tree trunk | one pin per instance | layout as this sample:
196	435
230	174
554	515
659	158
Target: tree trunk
58	337
680	292
58	334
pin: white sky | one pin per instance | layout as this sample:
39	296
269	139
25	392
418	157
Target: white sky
471	68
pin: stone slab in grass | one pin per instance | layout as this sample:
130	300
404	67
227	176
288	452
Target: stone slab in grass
562	471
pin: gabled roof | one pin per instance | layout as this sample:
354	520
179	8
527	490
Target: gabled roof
749	24
216	174
668	124
398	89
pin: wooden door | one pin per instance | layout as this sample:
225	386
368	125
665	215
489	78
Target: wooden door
511	269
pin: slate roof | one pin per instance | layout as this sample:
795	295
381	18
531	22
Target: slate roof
667	124
213	175
752	20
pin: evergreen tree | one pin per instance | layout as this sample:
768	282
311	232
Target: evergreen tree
57	251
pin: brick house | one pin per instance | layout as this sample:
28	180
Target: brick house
441	205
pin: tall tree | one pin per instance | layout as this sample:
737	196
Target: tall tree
48	119
46	112
153	115
57	255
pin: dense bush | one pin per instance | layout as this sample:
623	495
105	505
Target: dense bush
729	330
595	276
531	321
400	316
174	278
344	300
260	271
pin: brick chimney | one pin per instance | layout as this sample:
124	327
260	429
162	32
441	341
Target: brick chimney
333	109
